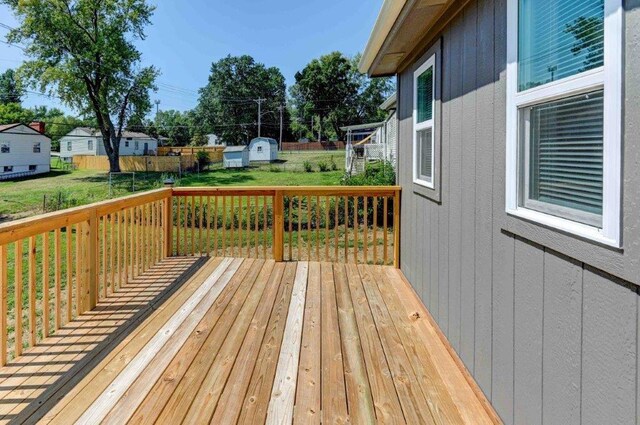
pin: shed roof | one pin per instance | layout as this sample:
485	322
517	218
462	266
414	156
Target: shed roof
266	139
131	134
234	149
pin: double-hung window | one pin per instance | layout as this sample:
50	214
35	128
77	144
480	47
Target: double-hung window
5	147
424	79
564	102
36	148
90	145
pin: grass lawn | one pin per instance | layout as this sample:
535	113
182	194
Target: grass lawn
65	188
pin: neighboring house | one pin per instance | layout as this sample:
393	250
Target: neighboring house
263	149
88	141
235	156
24	150
518	157
213	140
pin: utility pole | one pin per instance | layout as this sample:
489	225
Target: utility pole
157	106
281	109
259	102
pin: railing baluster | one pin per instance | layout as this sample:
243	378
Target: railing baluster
118	247
185	237
346	229
327	204
215	226
69	269
32	291
18	298
208	250
4	305
45	284
365	238
224	226
385	229
200	223
58	277
264	226
178	225
232	243
336	229
193	225
309	228
79	267
111	252
375	230
255	238
299	238
290	202
356	248
317	224
125	245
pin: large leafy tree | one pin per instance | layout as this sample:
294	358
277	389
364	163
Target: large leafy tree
331	92
83	50
175	125
228	104
10	91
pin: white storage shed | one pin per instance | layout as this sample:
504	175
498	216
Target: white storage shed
263	149
235	157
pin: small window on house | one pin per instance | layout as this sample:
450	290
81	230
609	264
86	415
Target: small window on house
563	116
126	143
424	120
5	147
36	148
8	168
90	145
33	167
136	145
259	148
69	146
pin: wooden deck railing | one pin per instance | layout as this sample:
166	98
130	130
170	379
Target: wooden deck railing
56	266
336	224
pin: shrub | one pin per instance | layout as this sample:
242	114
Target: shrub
333	165
323	166
375	174
308	167
203	159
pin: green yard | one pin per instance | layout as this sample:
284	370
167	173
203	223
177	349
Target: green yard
62	188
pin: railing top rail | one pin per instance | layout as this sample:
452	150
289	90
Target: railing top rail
32	226
289	191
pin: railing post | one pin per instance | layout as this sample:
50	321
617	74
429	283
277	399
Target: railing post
278	226
92	280
396	229
167	221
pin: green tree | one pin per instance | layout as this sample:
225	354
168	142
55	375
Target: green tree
175	125
84	51
10	91
227	104
332	91
12	113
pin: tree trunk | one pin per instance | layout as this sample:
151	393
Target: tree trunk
113	153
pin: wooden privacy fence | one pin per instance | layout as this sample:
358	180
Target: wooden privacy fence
337	224
56	266
160	164
215	152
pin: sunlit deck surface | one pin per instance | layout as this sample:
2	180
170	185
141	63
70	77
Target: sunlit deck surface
226	340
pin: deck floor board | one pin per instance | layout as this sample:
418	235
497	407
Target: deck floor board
248	341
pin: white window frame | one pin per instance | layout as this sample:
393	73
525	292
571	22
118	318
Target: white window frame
417	178
37	147
607	77
8	145
136	145
69	146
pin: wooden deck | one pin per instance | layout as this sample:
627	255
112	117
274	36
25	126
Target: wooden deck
248	341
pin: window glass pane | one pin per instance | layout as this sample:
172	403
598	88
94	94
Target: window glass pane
566	153
558	39
425	154
425	96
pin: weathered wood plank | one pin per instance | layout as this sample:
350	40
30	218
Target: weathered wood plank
284	387
308	395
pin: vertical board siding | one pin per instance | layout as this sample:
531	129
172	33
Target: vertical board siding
609	357
562	339
548	339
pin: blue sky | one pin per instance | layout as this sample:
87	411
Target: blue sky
187	36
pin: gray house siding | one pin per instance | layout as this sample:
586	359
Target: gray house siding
546	323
